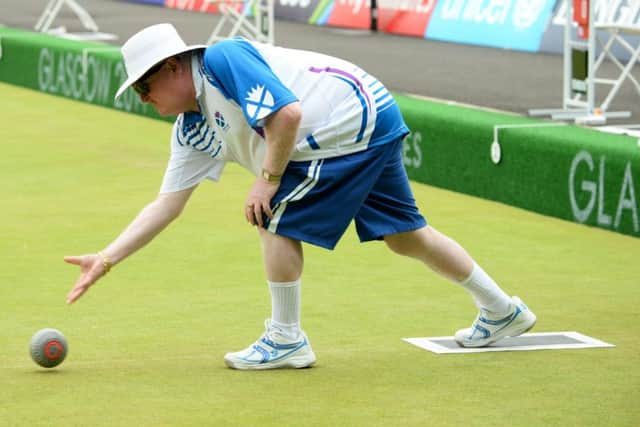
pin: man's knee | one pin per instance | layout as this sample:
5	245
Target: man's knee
408	243
394	243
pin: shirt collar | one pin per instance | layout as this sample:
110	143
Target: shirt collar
191	117
196	73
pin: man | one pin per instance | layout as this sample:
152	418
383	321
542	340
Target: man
324	140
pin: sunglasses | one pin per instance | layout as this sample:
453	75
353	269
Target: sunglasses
142	86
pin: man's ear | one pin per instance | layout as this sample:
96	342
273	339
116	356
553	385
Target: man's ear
172	63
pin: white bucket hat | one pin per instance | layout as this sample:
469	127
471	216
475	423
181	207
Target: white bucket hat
148	47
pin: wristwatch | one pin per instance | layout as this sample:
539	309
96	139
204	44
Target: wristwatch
269	177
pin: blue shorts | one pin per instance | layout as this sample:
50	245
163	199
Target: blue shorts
318	199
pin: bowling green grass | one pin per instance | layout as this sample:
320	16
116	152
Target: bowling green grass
146	343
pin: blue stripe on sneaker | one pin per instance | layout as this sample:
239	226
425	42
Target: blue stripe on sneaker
263	352
485	332
277	346
268	357
507	319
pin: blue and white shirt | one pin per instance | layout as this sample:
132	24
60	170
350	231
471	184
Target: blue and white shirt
240	83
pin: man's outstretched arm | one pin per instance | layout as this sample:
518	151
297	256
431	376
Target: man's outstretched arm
151	220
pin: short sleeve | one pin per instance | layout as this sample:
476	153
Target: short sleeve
188	166
241	73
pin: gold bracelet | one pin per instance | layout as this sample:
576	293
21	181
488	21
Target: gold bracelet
270	177
106	262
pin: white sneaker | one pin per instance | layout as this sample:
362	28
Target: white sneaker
488	328
273	350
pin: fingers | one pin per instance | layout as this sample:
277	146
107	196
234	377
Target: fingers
76	293
76	260
258	202
83	284
267	211
80	287
254	213
249	215
90	271
257	211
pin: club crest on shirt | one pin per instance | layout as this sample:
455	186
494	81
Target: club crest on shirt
259	102
221	122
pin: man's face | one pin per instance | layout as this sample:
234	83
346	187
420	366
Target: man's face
168	86
143	85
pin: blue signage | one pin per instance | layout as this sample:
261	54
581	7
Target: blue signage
510	24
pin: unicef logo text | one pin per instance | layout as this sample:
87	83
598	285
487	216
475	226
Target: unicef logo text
522	13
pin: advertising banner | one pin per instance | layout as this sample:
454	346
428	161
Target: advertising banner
507	24
350	14
406	17
296	10
196	5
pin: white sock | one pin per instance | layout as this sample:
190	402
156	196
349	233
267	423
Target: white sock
285	306
486	293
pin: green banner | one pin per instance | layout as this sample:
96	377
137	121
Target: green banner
569	172
85	71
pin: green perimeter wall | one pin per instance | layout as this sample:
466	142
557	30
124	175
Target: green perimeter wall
568	172
85	71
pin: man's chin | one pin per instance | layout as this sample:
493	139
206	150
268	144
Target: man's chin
165	113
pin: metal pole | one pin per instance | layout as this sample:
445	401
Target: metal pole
374	15
591	52
566	63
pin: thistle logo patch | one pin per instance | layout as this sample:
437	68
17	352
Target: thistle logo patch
221	122
259	102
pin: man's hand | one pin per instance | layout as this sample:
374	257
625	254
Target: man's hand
91	269
150	221
259	200
280	130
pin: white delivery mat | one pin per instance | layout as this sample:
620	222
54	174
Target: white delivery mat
535	341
